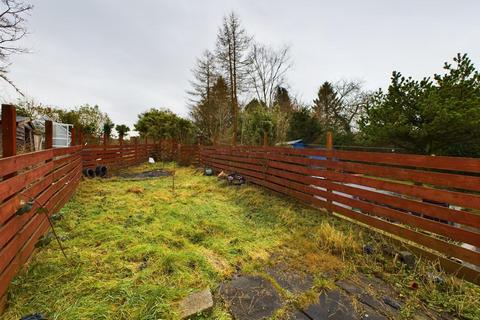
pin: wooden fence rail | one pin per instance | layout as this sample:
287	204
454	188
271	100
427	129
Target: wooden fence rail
124	155
50	178
433	202
116	156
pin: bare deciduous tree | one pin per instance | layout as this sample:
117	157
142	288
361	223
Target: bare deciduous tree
267	70
339	106
12	29
232	46
352	99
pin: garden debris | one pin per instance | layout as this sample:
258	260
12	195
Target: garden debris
235	179
89	173
413	285
232	178
45	240
56	217
196	303
408	258
35	316
101	171
368	249
146	174
435	278
136	190
143	265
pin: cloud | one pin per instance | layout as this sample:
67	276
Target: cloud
131	56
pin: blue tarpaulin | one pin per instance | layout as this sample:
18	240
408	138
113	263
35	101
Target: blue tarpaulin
299	144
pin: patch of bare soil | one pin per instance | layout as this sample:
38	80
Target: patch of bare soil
146	174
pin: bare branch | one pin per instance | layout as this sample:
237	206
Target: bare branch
3	75
267	70
12	29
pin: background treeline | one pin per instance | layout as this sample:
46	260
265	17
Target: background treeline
156	124
239	95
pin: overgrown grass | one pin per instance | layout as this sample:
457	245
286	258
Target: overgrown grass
135	248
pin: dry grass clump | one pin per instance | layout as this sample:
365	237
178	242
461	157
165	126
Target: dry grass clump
136	190
335	241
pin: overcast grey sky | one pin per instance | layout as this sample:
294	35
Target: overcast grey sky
128	56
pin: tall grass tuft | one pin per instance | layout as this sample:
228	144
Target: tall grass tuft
337	242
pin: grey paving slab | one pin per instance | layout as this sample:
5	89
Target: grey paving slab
250	298
332	305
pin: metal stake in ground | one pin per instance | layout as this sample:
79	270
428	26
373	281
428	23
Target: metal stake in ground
54	232
173	178
28	206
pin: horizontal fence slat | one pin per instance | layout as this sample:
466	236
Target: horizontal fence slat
432	162
11	186
16	163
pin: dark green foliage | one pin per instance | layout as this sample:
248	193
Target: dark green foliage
337	108
325	107
212	114
303	125
122	130
439	116
256	120
107	127
163	123
282	100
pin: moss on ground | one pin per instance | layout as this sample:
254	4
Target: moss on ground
135	248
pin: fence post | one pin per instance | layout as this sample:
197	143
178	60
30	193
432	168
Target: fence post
136	149
72	137
9	130
105	140
48	134
160	145
179	153
265	138
80	136
329	147
145	153
120	140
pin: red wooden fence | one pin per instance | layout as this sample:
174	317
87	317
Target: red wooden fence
50	177
116	156
431	201
188	154
127	154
